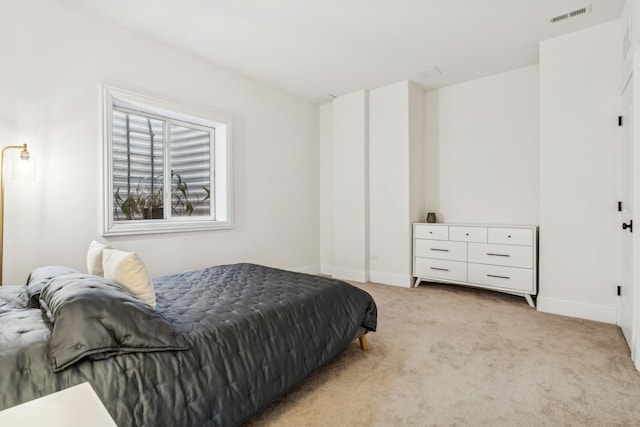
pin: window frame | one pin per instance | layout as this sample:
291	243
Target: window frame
221	167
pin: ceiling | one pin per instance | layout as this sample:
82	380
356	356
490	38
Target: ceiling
311	48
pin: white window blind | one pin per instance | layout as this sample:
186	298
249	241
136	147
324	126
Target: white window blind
140	168
191	161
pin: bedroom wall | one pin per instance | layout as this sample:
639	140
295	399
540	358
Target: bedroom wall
579	228
432	151
350	233
326	188
396	180
372	182
482	149
54	59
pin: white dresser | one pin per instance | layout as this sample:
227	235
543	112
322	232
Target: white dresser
498	257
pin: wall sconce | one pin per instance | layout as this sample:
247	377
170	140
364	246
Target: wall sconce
24	155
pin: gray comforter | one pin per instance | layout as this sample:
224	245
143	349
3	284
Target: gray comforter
253	333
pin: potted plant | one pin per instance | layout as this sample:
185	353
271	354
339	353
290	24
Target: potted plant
146	200
151	201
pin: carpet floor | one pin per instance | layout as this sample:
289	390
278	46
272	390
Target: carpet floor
448	355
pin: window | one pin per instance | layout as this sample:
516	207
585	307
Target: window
167	167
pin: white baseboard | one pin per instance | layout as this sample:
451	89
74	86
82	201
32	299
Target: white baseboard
582	310
309	269
393	279
348	274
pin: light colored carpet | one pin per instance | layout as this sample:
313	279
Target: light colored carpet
448	355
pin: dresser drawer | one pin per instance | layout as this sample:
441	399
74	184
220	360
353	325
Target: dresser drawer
507	255
440	269
508	278
511	236
441	249
436	232
468	234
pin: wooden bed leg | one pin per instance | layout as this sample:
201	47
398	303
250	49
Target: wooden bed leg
363	343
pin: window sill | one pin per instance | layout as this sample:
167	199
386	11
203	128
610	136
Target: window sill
129	228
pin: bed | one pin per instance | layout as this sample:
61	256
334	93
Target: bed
224	342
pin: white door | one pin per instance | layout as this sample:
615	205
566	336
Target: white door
625	317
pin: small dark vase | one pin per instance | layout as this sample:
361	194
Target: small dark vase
431	217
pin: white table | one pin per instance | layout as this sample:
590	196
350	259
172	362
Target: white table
77	406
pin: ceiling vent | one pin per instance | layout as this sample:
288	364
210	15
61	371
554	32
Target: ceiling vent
572	14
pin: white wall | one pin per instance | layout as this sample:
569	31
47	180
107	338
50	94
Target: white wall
432	152
579	105
417	166
326	188
396	124
350	121
389	184
54	60
484	134
372	182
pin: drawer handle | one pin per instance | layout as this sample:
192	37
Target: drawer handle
440	250
504	255
439	269
498	277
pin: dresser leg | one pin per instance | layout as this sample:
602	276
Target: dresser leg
417	282
529	300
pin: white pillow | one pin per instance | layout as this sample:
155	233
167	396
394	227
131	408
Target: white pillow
128	271
94	258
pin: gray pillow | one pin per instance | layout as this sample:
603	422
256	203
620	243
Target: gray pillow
39	277
95	318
